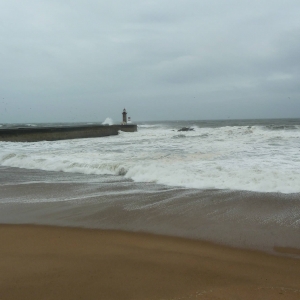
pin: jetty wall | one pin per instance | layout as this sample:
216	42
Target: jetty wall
36	134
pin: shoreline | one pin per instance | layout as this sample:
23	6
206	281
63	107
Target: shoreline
277	251
53	262
246	220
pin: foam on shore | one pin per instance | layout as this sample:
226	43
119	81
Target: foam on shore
242	219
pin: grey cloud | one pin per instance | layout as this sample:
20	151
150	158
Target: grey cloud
81	61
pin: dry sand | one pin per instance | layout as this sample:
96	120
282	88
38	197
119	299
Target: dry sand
40	262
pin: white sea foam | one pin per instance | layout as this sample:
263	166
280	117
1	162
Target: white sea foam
108	121
148	126
252	158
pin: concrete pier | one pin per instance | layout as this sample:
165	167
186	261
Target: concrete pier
36	134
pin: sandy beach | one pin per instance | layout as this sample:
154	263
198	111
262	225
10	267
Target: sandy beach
43	262
74	236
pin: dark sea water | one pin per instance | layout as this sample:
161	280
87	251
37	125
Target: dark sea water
234	182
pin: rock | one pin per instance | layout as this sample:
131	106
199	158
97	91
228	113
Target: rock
186	129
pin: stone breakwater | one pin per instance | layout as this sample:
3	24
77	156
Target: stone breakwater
36	134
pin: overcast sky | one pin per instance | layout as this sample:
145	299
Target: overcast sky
64	61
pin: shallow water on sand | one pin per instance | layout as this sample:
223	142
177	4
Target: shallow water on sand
236	218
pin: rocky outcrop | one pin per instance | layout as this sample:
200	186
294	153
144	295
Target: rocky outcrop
186	129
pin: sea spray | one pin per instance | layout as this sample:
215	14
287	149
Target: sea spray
108	121
252	157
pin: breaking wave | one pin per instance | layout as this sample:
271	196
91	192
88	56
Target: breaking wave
251	158
108	121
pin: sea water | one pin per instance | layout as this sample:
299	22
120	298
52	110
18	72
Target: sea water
249	155
233	182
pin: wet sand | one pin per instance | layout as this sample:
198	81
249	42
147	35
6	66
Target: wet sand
66	261
263	221
41	262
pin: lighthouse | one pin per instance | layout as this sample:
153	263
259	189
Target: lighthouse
124	113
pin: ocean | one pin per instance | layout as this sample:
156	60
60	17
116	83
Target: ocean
234	182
